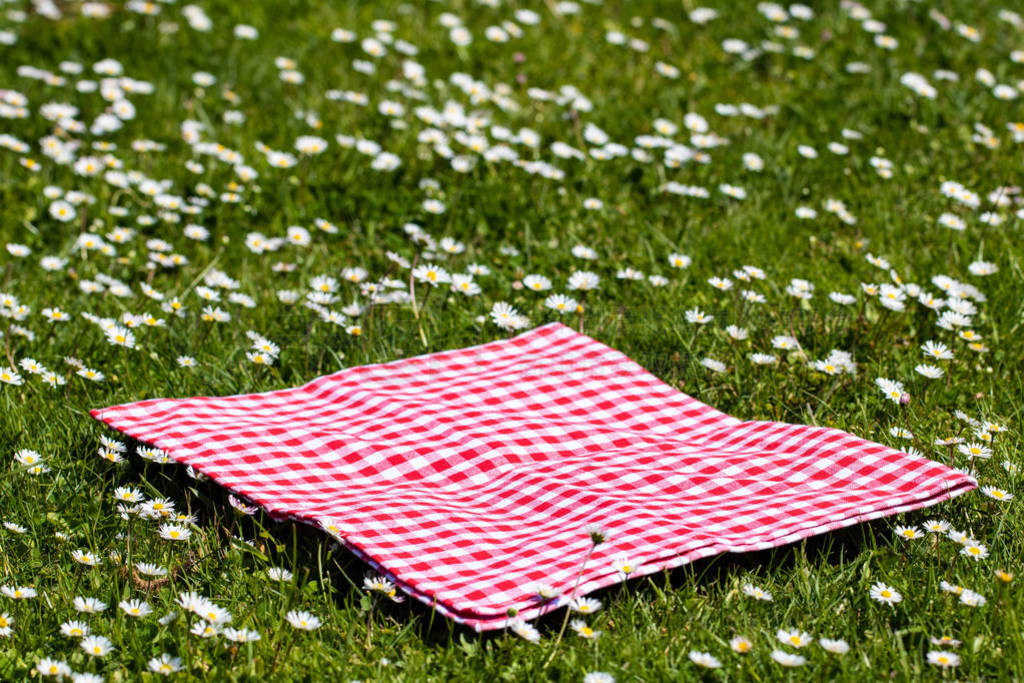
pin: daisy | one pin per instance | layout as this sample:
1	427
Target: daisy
585	605
741	645
624	566
679	260
975	450
704	659
242	635
85	557
757	593
901	433
175	532
379	584
537	283
525	631
841	298
28	457
9	375
304	621
96	646
936	350
944	659
892	389
240	506
211	613
135	608
507	317
583	281
953	589
713	364
582	630
695	315
723	284
974	550
946	641
543	591
794	637
279	574
972	599
787	659
121	336
431	274
18	592
737	333
561	304
997	493
165	664
785	343
884	594
936	526
838	647
53	668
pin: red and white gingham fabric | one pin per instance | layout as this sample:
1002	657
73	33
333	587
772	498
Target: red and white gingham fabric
469	476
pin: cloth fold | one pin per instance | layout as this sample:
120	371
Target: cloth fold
468	476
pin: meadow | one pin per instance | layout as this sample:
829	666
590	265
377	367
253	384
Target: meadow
810	215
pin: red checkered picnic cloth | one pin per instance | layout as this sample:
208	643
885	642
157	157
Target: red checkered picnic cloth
469	476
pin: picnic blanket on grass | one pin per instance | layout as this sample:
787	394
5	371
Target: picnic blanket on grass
468	476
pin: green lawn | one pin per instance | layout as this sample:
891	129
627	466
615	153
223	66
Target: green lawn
159	207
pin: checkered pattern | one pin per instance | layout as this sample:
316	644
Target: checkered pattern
469	476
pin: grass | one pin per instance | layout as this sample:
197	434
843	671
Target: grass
650	625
